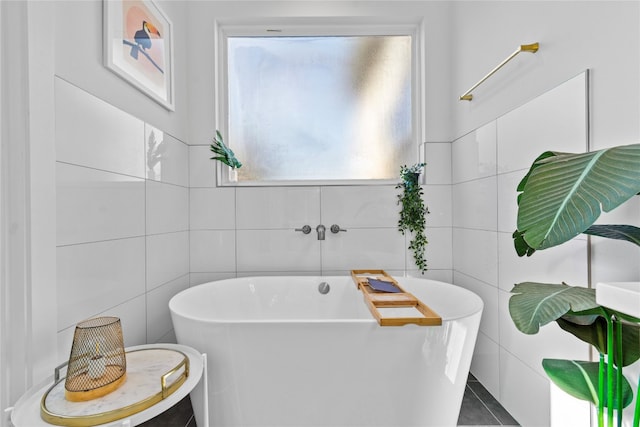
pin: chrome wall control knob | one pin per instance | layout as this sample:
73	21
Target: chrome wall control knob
335	228
306	229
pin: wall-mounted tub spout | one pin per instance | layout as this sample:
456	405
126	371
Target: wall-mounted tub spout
321	229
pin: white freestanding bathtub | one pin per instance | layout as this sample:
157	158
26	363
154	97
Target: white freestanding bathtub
282	354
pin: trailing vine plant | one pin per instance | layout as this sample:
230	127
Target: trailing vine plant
412	216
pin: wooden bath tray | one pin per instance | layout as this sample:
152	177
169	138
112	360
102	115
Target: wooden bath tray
403	307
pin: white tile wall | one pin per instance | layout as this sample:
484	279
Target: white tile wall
95	205
277	250
167	257
475	204
92	277
475	253
475	154
167	207
92	133
438	160
554	121
489	325
122	218
212	251
359	206
438	202
487	166
167	159
250	230
202	170
212	208
485	364
277	207
385	249
158	315
518	383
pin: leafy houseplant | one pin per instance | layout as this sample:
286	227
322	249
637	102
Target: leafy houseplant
224	153
412	215
561	197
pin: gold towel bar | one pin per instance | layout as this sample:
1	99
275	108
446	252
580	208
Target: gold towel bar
533	48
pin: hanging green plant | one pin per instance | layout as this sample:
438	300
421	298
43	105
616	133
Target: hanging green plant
412	216
224	153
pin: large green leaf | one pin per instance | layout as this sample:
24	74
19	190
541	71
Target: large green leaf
619	232
580	379
535	304
564	194
522	248
595	333
534	165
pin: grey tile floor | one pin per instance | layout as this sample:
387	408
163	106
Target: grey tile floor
479	408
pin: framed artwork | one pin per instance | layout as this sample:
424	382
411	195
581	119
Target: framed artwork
138	46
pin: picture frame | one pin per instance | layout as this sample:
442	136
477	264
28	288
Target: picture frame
138	47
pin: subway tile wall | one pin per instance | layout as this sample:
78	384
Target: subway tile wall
488	164
122	219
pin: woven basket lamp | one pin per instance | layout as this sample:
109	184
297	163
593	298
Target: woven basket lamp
97	364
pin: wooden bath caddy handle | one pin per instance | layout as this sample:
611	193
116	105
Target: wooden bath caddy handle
376	300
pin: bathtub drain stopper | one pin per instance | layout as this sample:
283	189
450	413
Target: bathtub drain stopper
324	288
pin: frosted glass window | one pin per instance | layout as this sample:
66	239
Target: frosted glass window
320	107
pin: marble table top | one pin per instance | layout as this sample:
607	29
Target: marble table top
145	365
145	369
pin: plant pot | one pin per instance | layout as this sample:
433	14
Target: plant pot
413	178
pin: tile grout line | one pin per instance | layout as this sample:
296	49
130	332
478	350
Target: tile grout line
485	405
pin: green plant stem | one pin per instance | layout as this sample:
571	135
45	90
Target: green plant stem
610	357
601	391
619	371
636	412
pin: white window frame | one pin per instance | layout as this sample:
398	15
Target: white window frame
351	26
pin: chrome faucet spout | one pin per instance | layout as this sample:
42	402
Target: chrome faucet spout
321	229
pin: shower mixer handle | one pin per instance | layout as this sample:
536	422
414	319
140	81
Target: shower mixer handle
335	228
306	229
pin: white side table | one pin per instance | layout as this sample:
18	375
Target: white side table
26	412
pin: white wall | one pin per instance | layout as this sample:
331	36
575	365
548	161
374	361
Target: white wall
574	36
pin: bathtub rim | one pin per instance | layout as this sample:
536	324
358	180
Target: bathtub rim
225	321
